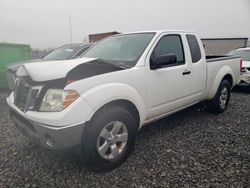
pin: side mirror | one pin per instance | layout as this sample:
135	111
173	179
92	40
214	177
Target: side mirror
165	60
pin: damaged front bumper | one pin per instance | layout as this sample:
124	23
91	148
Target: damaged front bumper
53	130
58	138
245	78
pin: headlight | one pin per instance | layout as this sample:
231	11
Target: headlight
56	100
246	69
243	70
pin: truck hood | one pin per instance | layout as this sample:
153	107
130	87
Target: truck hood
246	64
52	70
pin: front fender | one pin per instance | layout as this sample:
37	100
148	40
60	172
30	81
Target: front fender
100	95
216	80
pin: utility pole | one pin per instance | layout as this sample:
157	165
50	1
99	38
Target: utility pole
70	29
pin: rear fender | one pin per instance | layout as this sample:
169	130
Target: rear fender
216	80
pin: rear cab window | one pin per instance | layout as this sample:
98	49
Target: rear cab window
194	48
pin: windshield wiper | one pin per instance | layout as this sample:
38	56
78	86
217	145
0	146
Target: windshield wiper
124	66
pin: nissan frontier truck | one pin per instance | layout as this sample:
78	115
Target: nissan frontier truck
99	102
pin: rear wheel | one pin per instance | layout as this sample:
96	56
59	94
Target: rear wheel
221	100
109	138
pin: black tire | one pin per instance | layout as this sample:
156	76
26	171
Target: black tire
214	105
90	154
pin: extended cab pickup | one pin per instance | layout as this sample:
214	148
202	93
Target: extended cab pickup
99	102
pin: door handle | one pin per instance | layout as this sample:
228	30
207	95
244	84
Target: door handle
186	72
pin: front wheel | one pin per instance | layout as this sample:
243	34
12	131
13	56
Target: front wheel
109	138
221	100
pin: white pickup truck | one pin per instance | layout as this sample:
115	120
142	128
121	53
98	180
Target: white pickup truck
99	102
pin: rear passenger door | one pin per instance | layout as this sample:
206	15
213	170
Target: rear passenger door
197	68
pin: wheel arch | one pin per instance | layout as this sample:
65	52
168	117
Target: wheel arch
118	94
126	104
229	78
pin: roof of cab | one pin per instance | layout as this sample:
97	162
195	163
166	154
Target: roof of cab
161	31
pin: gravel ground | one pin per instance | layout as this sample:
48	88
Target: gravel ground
190	149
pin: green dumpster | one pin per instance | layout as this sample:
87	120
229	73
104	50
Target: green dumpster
10	53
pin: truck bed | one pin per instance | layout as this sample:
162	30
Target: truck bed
229	64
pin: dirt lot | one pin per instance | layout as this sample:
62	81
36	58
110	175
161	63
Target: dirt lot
190	149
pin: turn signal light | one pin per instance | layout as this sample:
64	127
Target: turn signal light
69	98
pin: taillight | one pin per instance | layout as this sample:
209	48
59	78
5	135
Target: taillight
241	68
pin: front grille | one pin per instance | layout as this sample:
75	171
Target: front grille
24	95
21	94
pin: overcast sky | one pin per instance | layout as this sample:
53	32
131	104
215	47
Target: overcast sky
45	23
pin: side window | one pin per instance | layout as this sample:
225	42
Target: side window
78	54
194	48
169	44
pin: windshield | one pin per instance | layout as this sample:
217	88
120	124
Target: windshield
121	49
62	53
244	54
